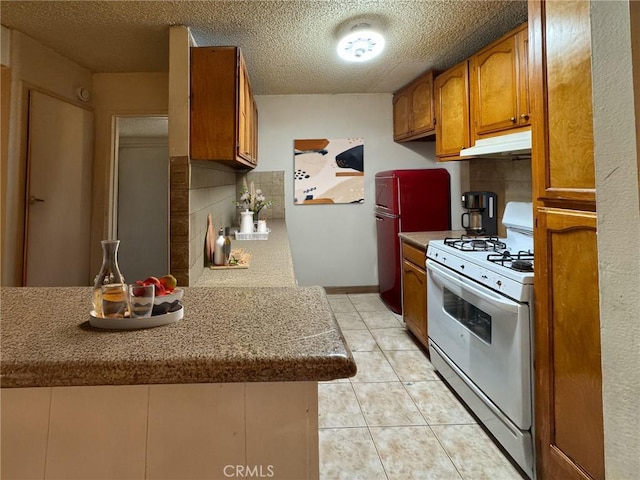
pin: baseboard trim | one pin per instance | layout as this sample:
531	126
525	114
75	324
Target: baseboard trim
356	289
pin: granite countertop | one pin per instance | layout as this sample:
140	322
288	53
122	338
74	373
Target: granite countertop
227	335
271	264
422	239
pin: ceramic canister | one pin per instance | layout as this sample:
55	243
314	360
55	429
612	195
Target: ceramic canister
246	221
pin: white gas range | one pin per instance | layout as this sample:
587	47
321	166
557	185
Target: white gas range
480	313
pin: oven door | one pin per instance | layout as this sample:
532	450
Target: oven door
486	336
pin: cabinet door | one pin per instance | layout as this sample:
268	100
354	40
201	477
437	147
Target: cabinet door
245	112
568	403
222	110
422	116
452	111
524	102
214	103
414	300
564	170
401	112
254	133
494	88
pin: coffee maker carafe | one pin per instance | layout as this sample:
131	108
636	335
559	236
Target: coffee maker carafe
481	216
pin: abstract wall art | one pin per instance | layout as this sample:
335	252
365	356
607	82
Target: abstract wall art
328	171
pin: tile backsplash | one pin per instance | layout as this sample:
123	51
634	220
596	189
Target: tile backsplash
510	179
272	186
199	189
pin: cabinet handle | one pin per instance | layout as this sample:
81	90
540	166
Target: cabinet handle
524	116
513	119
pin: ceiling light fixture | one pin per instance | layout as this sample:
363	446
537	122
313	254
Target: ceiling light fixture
361	44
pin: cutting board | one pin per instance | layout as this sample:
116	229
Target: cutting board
210	239
244	259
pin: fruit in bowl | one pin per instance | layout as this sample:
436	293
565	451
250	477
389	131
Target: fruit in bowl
169	302
167	294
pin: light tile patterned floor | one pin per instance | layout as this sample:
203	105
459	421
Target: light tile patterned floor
396	420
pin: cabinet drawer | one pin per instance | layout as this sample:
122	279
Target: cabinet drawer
413	254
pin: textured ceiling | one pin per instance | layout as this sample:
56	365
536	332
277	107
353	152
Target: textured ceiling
289	46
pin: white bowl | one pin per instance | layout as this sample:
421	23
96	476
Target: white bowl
162	303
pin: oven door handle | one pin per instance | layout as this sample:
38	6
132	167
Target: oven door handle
443	276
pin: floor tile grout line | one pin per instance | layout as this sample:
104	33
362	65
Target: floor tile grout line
384	468
404	384
428	425
447	453
366	421
416	405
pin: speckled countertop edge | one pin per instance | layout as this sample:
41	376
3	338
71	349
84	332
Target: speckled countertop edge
227	335
422	239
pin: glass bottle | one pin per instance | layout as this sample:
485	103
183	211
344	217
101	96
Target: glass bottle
109	272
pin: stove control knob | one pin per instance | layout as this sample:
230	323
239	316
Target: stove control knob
462	267
499	283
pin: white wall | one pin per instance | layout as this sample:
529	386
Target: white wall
335	245
618	233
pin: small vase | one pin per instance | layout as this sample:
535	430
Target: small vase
246	222
109	272
256	216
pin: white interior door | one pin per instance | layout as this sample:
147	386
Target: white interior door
60	153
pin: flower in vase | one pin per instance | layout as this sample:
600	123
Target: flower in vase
252	199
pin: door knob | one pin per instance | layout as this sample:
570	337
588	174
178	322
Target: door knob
33	199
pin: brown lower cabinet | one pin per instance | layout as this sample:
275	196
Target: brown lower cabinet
569	429
414	291
569	377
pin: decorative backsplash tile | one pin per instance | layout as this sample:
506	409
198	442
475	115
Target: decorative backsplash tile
272	186
209	191
200	189
509	179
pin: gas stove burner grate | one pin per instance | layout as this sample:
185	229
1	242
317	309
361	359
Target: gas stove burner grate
475	244
520	261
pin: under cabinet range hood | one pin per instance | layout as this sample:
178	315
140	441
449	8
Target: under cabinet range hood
512	144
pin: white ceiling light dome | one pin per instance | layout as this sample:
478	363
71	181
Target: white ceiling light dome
361	44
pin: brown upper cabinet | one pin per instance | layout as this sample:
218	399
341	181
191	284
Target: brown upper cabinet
566	172
484	96
413	112
500	86
452	112
224	117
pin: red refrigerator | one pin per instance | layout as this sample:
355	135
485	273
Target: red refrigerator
407	201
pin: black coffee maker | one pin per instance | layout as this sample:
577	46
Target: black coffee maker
481	217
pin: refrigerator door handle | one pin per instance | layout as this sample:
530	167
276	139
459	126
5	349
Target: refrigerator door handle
383	215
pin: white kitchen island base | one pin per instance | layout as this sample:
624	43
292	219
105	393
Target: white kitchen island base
186	431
